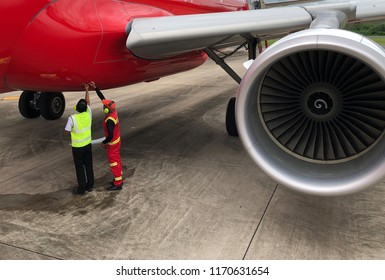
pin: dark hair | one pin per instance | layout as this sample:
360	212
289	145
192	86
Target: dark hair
81	106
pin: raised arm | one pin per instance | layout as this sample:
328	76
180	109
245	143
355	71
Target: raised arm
87	96
98	92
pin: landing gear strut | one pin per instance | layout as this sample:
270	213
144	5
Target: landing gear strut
252	43
50	105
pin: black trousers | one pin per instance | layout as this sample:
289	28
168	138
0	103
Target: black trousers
84	167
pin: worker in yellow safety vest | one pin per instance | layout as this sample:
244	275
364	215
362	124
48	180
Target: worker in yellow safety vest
79	125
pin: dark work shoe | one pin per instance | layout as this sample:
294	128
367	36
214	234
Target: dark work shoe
77	192
114	188
89	189
112	183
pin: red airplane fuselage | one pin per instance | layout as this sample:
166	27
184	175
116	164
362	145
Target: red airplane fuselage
49	45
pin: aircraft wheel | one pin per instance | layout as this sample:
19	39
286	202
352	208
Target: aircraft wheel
52	105
231	125
28	104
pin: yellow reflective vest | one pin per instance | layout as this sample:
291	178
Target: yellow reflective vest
81	129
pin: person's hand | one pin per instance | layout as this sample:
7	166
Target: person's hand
86	86
92	84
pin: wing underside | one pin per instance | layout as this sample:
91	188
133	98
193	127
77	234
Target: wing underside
160	37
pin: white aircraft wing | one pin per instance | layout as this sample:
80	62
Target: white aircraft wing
159	37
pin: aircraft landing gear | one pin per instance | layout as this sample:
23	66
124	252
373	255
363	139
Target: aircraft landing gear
50	105
252	44
28	104
231	125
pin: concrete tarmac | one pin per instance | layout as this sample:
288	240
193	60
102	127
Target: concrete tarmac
190	190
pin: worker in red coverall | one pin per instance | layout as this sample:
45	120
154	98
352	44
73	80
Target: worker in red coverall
112	142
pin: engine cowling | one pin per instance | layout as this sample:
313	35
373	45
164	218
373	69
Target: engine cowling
310	112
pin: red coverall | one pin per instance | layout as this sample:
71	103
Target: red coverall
113	148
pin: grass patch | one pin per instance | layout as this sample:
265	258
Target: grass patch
379	40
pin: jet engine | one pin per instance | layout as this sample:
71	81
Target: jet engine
310	111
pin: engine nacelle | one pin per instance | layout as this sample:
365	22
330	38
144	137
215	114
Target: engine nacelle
310	112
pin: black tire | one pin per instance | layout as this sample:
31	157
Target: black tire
26	107
52	105
231	125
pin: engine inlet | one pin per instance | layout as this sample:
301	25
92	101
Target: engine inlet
322	105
